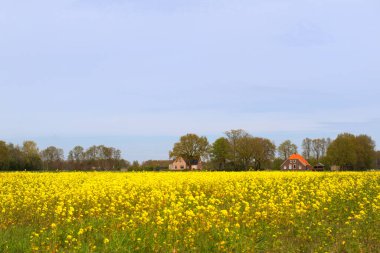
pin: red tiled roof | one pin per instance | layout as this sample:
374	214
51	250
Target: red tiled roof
299	158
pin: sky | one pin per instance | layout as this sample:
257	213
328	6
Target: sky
138	74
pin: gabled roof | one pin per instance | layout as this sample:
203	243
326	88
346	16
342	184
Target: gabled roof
299	158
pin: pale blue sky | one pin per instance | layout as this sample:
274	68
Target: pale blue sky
137	74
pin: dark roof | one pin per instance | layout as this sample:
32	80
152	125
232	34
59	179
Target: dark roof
194	162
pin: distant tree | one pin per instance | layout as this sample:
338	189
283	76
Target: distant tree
16	158
28	157
315	149
93	157
352	152
318	146
326	143
365	152
220	153
116	154
377	160
247	152
105	155
324	160
116	160
246	148
253	152
342	151
307	148
124	164
233	137
286	149
31	156
208	165
99	157
30	148
4	156
135	166
76	154
276	164
92	153
152	165
76	158
190	147
52	158
264	152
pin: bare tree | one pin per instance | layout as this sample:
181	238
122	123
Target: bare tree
307	148
52	158
286	149
233	137
318	147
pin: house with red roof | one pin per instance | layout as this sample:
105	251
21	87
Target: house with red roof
296	162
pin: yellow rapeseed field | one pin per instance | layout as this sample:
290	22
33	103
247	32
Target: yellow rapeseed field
190	212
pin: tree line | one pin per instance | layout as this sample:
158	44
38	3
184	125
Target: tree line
239	151
236	151
28	157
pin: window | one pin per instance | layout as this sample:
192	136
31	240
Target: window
294	166
182	167
300	167
284	167
175	167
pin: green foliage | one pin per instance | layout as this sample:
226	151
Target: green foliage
190	148
155	165
264	152
28	157
276	164
253	152
16	158
237	151
4	156
352	152
365	150
220	153
376	162
342	151
135	166
32	159
245	151
241	151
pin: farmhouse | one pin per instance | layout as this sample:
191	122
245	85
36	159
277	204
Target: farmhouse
296	162
180	164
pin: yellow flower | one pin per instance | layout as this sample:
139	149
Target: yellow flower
81	231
